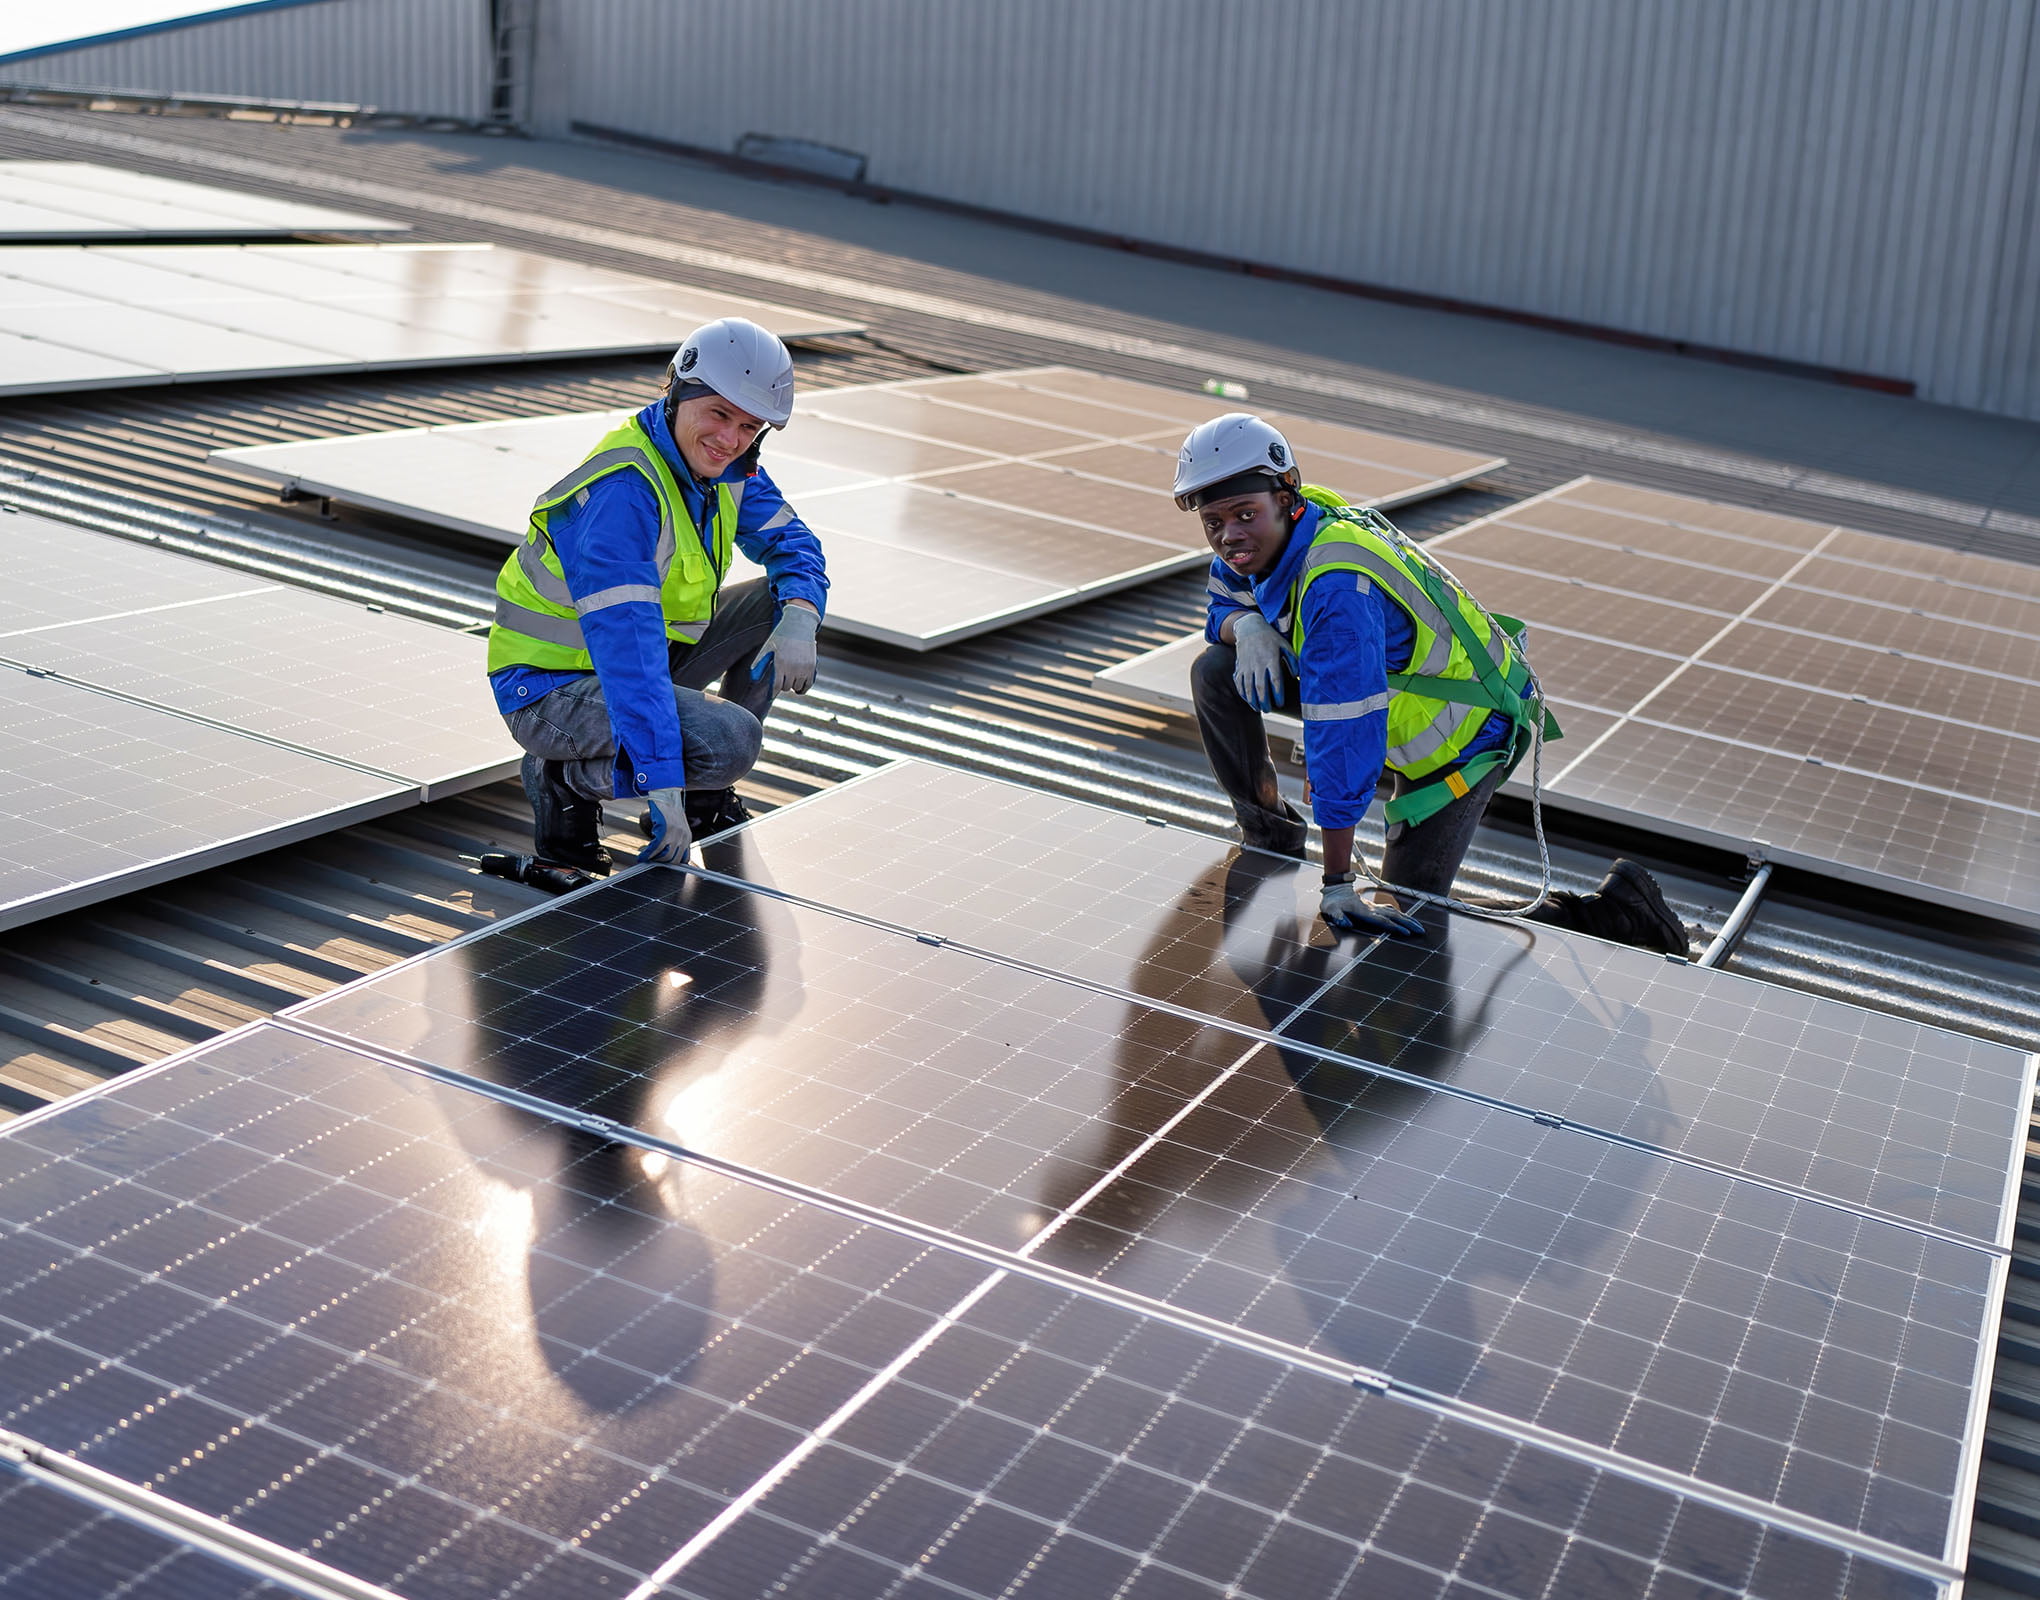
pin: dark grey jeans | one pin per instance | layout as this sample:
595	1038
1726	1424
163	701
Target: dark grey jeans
720	735
1424	857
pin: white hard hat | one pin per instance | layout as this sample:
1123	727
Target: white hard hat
743	363
1235	445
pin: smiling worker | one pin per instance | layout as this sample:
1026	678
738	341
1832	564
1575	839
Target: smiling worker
610	623
1398	672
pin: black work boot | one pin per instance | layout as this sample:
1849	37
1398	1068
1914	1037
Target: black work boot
566	828
711	811
1627	907
1283	832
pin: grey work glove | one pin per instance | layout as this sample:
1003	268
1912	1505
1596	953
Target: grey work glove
670	833
1257	661
790	650
1341	906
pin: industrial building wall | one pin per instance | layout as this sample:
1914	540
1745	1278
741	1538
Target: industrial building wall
402	55
1847	183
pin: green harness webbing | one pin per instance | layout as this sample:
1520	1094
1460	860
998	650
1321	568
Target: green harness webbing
1490	686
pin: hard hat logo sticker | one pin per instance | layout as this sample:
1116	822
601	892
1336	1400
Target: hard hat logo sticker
689	356
1278	455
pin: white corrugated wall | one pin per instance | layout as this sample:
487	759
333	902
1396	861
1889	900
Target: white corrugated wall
1848	183
402	55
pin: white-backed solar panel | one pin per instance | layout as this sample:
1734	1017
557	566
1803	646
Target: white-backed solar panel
50	202
946	507
104	315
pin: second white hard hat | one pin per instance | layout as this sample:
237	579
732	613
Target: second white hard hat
743	363
1235	445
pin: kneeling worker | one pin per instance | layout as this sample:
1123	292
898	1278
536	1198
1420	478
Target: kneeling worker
609	624
1398	673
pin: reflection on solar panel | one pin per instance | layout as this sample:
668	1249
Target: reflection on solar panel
1848	701
1668	1223
90	316
162	715
59	201
459	1347
947	506
1857	704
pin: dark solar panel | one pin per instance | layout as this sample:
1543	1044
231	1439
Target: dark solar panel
443	1346
1906	682
98	795
451	1348
1051	1447
56	1546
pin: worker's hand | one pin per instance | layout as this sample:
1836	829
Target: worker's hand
1257	661
670	833
1341	906
790	649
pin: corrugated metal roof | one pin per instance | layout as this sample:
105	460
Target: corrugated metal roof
89	994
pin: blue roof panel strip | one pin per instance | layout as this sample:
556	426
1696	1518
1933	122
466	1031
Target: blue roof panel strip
40	32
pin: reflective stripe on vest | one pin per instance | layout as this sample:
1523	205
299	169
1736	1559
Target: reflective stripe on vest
533	602
1425	732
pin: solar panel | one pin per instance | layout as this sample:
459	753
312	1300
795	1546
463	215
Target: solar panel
91	316
1836	700
225	714
47	202
58	1546
947	506
1854	703
1128	1053
447	1344
101	796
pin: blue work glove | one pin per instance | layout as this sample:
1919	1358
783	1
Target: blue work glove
1341	906
670	833
1257	661
790	650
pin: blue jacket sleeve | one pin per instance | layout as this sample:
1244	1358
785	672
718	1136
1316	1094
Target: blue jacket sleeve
1344	680
608	551
770	533
1225	594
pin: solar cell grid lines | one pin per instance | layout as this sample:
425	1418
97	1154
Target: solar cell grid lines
87	316
162	715
454	1346
58	1546
101	795
62	201
946	506
826	1252
1856	704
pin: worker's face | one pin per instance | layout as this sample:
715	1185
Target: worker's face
710	433
1246	532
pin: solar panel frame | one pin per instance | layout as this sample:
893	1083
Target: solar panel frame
154	810
205	678
86	201
333	307
1060	515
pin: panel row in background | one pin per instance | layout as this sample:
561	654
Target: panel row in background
57	202
1862	705
1131	1054
104	316
947	506
448	1346
159	715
